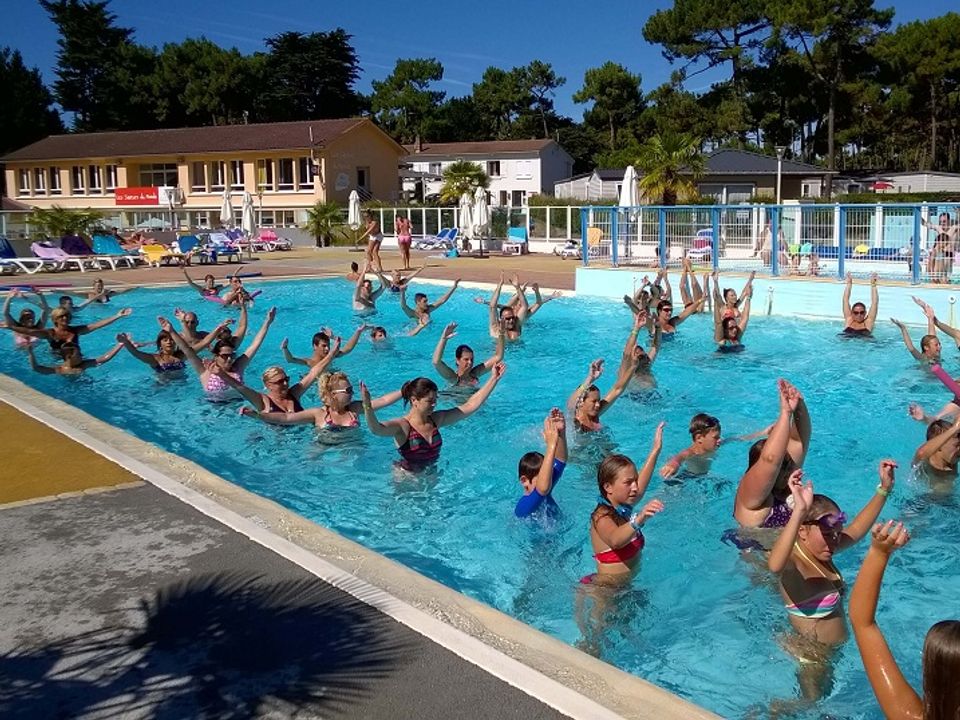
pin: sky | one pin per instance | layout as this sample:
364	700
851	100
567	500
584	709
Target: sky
466	37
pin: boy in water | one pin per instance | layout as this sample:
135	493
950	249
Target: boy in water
540	473
705	433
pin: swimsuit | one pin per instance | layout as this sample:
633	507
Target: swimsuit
855	332
528	504
739	347
822	604
621	554
56	344
217	389
417	451
273	407
779	516
329	424
173	366
23	340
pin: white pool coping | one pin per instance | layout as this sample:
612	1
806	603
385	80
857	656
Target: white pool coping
555	673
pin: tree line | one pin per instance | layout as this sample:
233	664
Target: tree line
831	80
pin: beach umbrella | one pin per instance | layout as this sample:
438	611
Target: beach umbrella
248	222
629	191
481	212
226	209
466	215
353	211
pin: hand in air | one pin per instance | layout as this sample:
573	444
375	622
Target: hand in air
887	468
658	434
558	420
126	312
284	344
498	370
889	536
916	412
596	369
449	331
164	324
365	394
897	323
802	494
849	278
122	337
648	511
669	469
271	314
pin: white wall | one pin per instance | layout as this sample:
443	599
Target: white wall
517	172
924	182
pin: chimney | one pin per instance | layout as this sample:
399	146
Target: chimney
417	144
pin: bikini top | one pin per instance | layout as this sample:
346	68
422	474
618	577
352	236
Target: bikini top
329	424
57	343
416	449
272	406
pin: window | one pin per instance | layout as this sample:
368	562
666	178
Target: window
55	188
95	185
284	218
39	181
266	218
435	169
503	197
111	172
198	177
23	182
218	176
493	168
78	181
285	174
519	198
524	169
159	175
265	175
305	173
236	174
200	219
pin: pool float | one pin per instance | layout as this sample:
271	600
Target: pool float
245	275
220	300
34	286
948	381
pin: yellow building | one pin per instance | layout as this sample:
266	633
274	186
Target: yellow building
159	175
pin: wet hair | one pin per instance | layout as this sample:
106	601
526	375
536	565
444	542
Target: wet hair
325	384
163	335
937	427
208	276
701	424
925	341
379	329
727	323
664	304
220	344
21	319
858	304
417	389
461	349
354	267
65	299
941	666
419	296
606	475
320	337
530	464
787	465
505	308
821	505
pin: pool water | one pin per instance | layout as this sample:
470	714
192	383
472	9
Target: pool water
699	619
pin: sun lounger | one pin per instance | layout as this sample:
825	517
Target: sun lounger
55	254
108	250
154	254
442	240
516	243
10	261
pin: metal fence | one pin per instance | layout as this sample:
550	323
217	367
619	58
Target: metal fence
910	242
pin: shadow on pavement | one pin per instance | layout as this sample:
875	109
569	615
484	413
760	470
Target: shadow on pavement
217	646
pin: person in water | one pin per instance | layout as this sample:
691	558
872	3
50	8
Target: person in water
99	293
397	281
539	473
729	322
63	333
616	529
339	410
321	346
762	495
930	346
378	334
27	317
210	287
810	584
422	307
691	292
201	339
938	456
857	319
507	321
643	372
167	359
73	362
697	459
952	332
364	296
941	648
237	294
466	373
730	306
586	404
417	434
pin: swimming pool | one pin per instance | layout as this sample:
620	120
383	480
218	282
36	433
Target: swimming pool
698	620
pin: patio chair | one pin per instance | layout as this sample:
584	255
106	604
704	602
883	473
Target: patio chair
28	265
154	254
443	240
55	254
108	250
701	250
217	245
516	243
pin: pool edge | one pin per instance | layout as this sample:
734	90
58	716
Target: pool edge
542	666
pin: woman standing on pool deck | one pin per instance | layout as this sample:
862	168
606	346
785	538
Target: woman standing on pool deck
27	317
417	434
586	405
941	648
339	410
858	321
810	584
466	372
761	499
401	225
374	236
616	534
728	329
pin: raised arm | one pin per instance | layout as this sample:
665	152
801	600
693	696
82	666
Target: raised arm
351	341
845	302
37	367
655	343
191	282
745	313
446	295
926	451
242	324
258	339
748	288
446	372
783	547
109	354
639	320
595	371
290	357
861	524
645	473
628	366
493	360
84	329
408	311
315	371
252	396
303	417
449	417
897	699
395	428
524	310
412	275
759	479
874	303
211	336
554	433
951	331
906	339
188	352
143	357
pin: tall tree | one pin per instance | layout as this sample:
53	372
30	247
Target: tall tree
27	114
100	71
403	103
615	94
500	97
541	81
310	77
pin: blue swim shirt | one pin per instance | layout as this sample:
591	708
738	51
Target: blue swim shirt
529	504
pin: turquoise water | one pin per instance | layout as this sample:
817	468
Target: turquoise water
698	620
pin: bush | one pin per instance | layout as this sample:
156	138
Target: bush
883	198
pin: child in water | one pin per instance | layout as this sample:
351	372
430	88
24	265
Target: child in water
540	473
705	435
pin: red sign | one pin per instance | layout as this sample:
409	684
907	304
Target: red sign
137	196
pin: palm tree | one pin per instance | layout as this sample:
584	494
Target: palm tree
462	177
671	164
57	221
323	219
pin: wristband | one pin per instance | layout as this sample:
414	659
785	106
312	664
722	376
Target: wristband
882	491
634	522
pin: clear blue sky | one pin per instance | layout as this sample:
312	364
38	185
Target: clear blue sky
466	37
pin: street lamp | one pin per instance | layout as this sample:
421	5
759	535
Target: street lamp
780	150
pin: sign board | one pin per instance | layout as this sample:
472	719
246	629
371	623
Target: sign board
137	196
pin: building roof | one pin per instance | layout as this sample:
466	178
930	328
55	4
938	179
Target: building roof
743	162
610	174
10	205
183	141
486	147
904	173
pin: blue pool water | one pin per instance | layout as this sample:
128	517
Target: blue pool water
699	620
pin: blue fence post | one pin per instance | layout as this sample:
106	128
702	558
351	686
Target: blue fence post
584	247
915	247
614	235
662	235
842	243
775	240
715	227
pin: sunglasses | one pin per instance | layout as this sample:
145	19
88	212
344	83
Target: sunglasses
226	355
344	391
830	524
859	312
279	380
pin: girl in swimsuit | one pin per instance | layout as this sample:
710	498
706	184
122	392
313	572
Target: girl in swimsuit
417	434
730	324
338	412
225	360
280	396
210	287
73	361
99	293
810	584
404	239
321	347
858	321
930	347
167	359
466	373
615	528
642	376
761	499
730	306
27	317
586	405
62	332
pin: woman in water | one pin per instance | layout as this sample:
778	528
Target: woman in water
729	323
210	288
27	318
466	373
761	499
858	321
99	293
930	347
941	648
937	457
730	305
586	404
397	281
167	359
62	332
364	296
225	360
810	584
643	371
690	290
321	347
339	410
201	339
236	295
402	227
616	534
73	361
417	434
